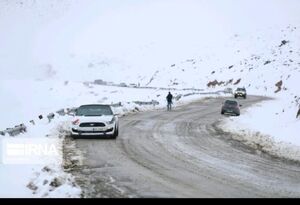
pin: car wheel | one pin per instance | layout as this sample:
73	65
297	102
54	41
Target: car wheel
116	134
235	96
222	113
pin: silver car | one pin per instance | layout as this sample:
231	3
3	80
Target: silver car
95	120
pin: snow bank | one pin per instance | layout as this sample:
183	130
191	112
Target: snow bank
37	174
268	127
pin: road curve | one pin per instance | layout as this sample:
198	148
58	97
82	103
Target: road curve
182	153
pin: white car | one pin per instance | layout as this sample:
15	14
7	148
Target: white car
95	120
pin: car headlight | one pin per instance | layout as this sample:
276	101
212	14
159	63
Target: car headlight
76	122
112	121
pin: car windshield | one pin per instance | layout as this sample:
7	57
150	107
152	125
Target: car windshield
94	110
232	103
241	89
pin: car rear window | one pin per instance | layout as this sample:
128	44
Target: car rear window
229	102
94	110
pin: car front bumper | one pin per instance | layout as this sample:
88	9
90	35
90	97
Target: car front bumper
77	131
240	94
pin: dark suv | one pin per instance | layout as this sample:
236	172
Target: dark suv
240	92
231	107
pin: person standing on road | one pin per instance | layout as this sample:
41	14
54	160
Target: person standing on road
169	100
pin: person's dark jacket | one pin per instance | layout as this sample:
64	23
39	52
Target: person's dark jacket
169	98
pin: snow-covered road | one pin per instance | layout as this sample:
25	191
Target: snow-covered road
182	154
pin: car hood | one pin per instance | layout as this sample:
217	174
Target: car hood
103	118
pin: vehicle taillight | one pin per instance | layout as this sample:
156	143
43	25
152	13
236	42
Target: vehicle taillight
76	122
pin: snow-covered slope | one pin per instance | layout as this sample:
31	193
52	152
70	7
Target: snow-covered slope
155	43
129	41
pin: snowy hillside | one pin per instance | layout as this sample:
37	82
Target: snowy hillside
124	41
60	54
186	44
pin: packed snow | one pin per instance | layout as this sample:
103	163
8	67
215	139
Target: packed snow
53	51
